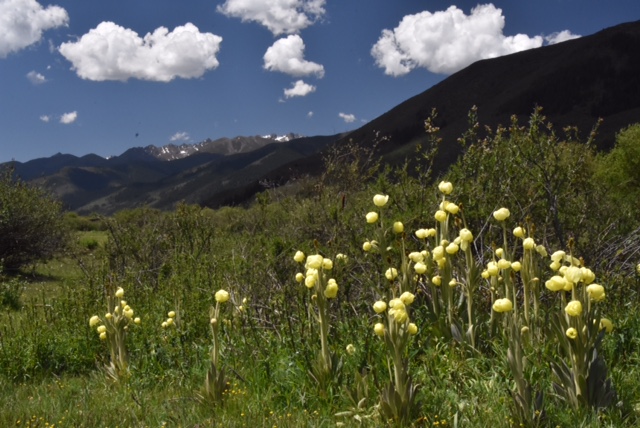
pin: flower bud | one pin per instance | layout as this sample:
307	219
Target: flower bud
504	264
222	296
378	329
573	308
398	227
379	307
466	235
171	314
299	256
528	244
542	250
421	233
351	349
519	232
556	283
606	324
445	187
596	292
366	246
420	268
407	298
314	261
452	208
372	217
412	329
502	214
327	264
380	200
452	248
440	216
516	266
391	274
571	333
436	280
119	293
503	305
94	320
299	277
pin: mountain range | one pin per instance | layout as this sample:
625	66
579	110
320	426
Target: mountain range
576	83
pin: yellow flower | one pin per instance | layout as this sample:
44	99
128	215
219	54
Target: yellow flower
421	233
400	315
516	266
438	252
412	329
416	256
485	274
170	322
596	292
222	296
528	244
391	274
501	214
327	264
445	187
137	320
453	283
351	349
492	269
499	252
504	264
396	304
420	268
555	266
380	200
556	283
342	257
171	314
398	227
436	280
572	333
606	324
103	335
379	329
558	256
372	217
452	248
366	246
452	208
440	216
524	330
332	289
164	324
314	261
519	232
407	298
101	329
299	277
299	256
573	308
573	274
310	281
542	250
587	275
94	320
638	269
379	307
119	293
503	305
466	235
108	316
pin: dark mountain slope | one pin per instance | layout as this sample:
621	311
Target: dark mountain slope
575	82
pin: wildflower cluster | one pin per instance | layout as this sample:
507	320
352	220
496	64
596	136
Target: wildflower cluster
317	279
113	329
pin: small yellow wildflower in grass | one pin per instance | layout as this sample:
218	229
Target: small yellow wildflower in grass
556	283
222	296
331	291
412	329
372	217
420	268
445	187
436	280
540	249
572	333
503	305
573	308
391	274
516	266
327	264
351	349
596	292
380	200
379	307
440	216
466	235
398	227
528	244
94	320
407	298
299	256
504	264
501	214
452	248
299	277
366	246
120	293
314	261
379	329
421	233
605	323
519	232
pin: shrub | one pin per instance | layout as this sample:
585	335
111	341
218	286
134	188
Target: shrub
31	224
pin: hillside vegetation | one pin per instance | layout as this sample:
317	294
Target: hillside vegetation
502	293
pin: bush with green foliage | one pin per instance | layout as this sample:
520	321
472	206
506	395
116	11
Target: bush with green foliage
32	227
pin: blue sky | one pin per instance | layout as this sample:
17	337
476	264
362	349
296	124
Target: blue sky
102	76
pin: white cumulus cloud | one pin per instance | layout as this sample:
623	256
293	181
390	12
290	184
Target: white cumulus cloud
310	114
348	118
180	136
68	118
560	37
279	16
287	56
447	41
112	52
299	89
22	23
36	78
45	118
